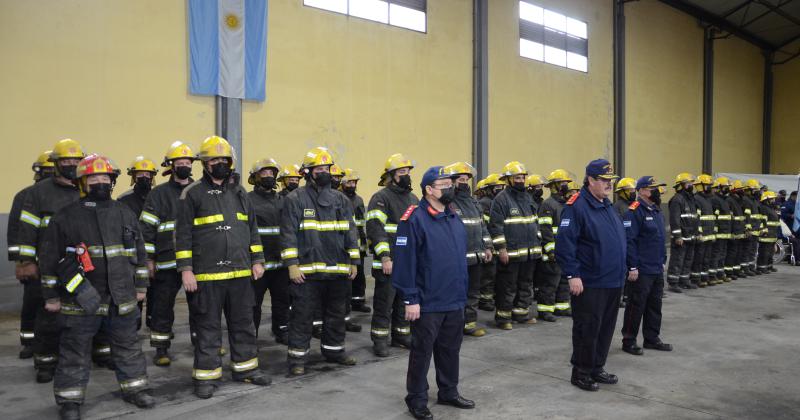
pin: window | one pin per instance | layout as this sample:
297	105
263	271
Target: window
409	14
548	36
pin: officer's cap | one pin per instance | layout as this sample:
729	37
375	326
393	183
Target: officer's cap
431	175
600	168
648	181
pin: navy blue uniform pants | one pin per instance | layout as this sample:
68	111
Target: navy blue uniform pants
644	304
438	334
594	317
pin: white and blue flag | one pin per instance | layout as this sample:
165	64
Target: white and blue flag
228	48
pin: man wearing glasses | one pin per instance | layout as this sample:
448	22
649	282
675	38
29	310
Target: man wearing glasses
430	273
591	250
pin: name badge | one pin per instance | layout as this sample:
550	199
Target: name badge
401	241
564	222
626	223
648	218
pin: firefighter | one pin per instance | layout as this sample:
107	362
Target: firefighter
738	232
157	221
552	293
219	253
42	201
268	203
383	214
103	288
143	176
289	179
534	184
722	229
626	195
319	245
770	232
491	187
479	243
683	228
336	176
751	197
349	185
42	169
514	232
706	239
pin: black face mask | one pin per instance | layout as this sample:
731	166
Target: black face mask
291	186
538	193
462	188
323	179
655	197
68	171
99	192
519	186
404	181
182	172
496	191
448	194
563	190
220	170
335	183
351	191
142	185
267	182
689	189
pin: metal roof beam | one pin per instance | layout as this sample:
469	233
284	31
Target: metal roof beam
719	22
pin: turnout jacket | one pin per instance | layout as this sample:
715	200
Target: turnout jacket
772	224
42	201
318	233
751	209
738	225
646	238
157	221
216	235
512	225
478	239
359	215
267	204
13	223
724	218
683	220
111	232
133	200
621	206
706	217
549	219
383	214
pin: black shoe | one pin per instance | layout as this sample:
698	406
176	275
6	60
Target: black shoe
693	286
44	375
772	270
585	383
26	352
685	286
675	289
661	346
563	312
70	411
259	379
282	338
633	349
162	357
360	307
141	399
604	377
352	327
343	360
458	402
547	316
380	348
403	342
421	413
204	390
486	306
702	284
316	331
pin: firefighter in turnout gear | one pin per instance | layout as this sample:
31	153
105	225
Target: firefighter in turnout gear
751	196
534	184
738	232
41	202
219	252
479	243
769	233
103	288
722	229
514	231
491	187
383	214
157	221
289	179
267	203
706	238
552	291
349	185
320	248
683	224
42	169
626	195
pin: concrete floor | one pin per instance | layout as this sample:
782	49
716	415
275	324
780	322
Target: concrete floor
737	355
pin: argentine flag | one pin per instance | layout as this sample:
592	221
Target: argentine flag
228	48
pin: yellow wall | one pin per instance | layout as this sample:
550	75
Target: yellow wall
664	72
365	90
786	116
546	116
738	106
109	73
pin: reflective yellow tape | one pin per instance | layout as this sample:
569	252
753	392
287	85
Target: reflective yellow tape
74	283
205	375
256	248
241	216
289	253
214	218
227	275
183	254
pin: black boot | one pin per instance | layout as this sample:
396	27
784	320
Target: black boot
360	306
352	326
486	306
316	331
70	411
162	357
547	316
26	352
45	375
204	389
258	378
141	399
380	348
402	341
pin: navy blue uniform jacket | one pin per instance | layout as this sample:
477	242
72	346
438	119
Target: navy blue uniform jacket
644	227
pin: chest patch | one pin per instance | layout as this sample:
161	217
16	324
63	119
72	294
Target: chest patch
564	223
626	223
309	213
514	211
401	241
648	218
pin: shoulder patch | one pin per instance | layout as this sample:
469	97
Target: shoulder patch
572	199
634	205
408	212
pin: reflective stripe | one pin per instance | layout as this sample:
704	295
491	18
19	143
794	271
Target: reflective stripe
354	253
676	231
269	230
256	248
774	223
183	254
381	247
69	393
297	352
333	348
545	308
359	222
214	218
45	222
688	216
547	220
149	248
166	265
149	218
69	309
245	366
13	249
377	215
738	218
503	314
390	228
708	217
28	251
562	306
330	225
74	283
499	239
272	265
520	311
102	350
520	220
241	216
133	384
471	221
156	336
377	265
289	253
768	240
205	375
724	217
550	246
403	330
167	226
223	276
30	219
49	281
26	334
142	272
321	267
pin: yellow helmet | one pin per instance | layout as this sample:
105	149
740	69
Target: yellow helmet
350	175
459	168
513	168
752	184
558	175
291	171
534	180
393	163
177	150
318	156
43	161
766	195
141	164
262	164
737	185
215	147
722	181
336	170
66	149
573	186
481	184
493	179
625	183
683	177
704	179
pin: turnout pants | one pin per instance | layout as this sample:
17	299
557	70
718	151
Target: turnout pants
388	310
31	302
234	298
644	306
330	294
488	272
732	266
701	263
473	295
594	316
514	291
165	287
277	282
74	365
546	279
437	334
680	263
47	330
720	251
766	251
359	286
743	259
752	250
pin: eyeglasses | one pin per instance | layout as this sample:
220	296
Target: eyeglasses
442	185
